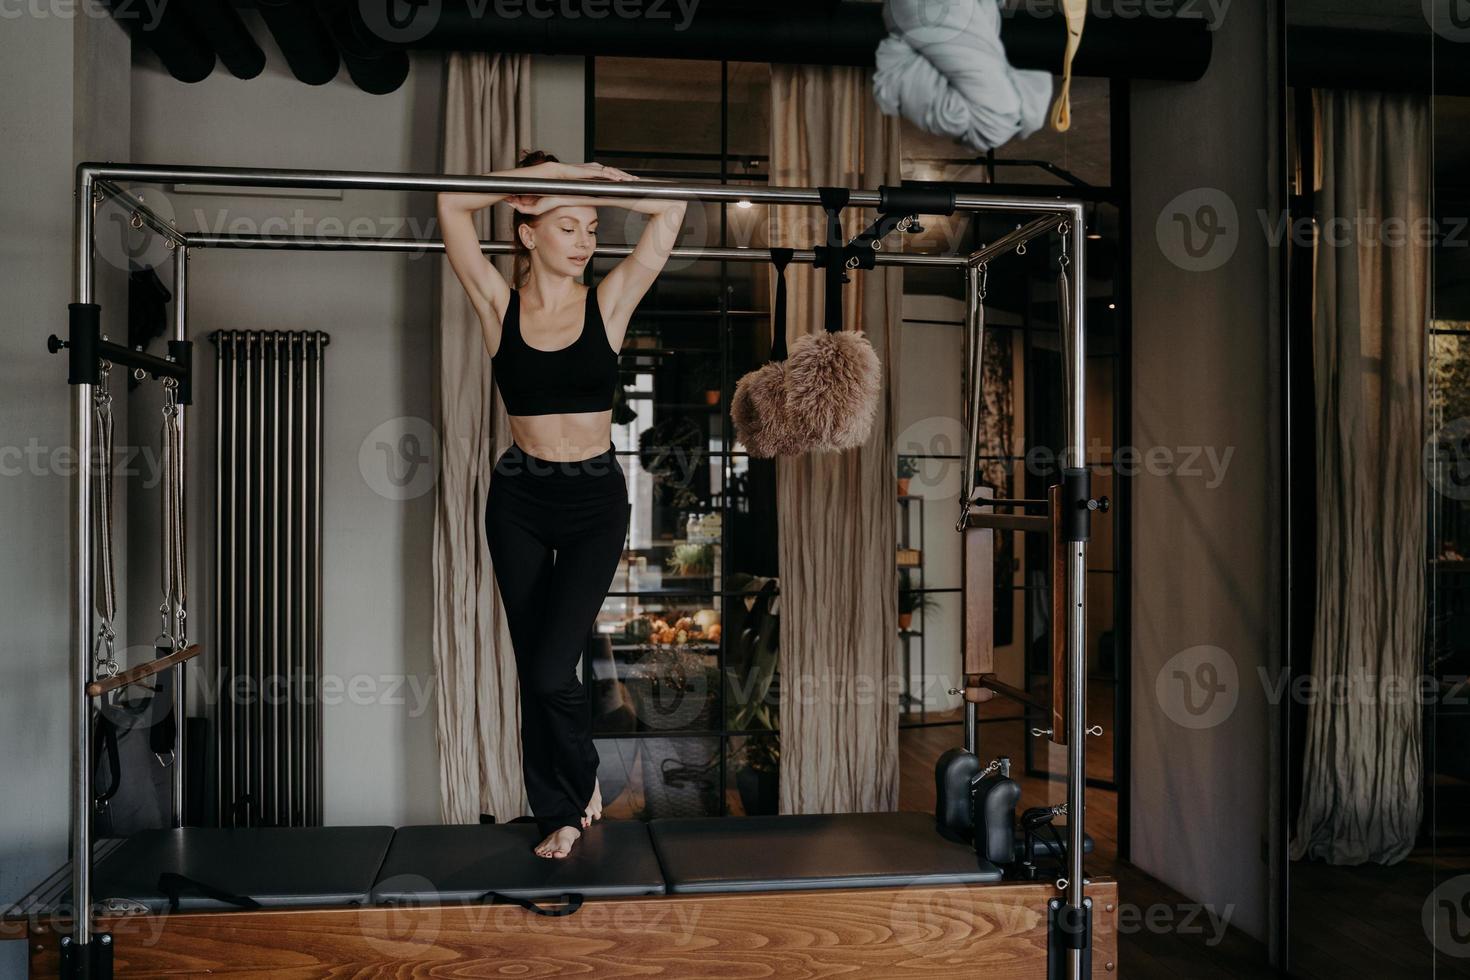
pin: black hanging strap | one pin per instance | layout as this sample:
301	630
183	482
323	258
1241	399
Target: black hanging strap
780	258
573	902
832	256
173	885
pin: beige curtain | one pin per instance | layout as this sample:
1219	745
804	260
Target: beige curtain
1363	766
487	120
839	582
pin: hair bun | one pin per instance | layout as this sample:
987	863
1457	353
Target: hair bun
529	158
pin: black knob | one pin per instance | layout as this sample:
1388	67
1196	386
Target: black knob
55	343
1100	504
915	227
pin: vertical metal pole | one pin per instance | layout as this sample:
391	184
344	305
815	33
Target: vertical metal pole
318	810
220	602
180	699
81	610
972	307
1077	577
273	676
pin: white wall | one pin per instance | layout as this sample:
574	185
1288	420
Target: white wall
67	97
1205	558
378	719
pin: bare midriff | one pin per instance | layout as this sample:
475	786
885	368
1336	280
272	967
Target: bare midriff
566	437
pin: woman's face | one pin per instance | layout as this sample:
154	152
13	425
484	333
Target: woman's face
564	238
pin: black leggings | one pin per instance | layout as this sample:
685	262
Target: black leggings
580	509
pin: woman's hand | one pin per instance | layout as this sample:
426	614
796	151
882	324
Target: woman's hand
593	171
530	204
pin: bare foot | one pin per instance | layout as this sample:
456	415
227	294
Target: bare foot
558	844
594	808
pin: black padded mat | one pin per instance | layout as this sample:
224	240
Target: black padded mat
279	867
816	850
461	862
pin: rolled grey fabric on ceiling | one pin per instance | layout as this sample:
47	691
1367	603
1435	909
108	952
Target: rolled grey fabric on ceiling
944	69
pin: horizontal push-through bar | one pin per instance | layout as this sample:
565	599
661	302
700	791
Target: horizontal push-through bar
710	252
439	183
145	670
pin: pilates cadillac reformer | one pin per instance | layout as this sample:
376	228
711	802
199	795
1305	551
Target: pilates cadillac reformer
880	894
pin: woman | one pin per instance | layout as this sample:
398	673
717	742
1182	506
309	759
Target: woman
553	345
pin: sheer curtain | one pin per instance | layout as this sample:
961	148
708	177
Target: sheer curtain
487	120
1362	788
839	581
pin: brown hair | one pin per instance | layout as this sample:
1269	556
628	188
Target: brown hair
522	268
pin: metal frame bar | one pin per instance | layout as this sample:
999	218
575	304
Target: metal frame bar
94	180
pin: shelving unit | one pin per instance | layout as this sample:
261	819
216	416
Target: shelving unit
911	506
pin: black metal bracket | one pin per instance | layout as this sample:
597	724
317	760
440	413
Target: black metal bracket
86	347
1076	495
1068	929
90	962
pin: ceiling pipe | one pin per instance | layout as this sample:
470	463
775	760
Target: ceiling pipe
308	49
376	66
168	32
220	25
1379	61
836	33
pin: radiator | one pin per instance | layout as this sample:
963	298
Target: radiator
268	586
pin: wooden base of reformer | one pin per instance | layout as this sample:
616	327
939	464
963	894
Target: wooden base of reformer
997	931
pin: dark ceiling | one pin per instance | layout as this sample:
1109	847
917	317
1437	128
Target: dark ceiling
371	38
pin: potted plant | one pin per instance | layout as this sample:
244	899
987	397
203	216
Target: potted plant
692	559
910	599
907	467
759	774
707	379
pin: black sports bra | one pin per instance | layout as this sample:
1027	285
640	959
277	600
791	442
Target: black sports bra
580	377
